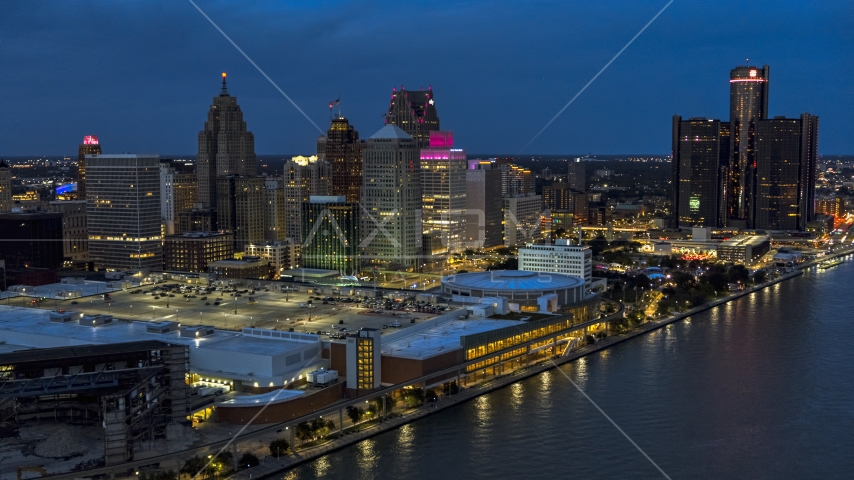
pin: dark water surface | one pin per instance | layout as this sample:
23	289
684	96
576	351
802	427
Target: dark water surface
762	387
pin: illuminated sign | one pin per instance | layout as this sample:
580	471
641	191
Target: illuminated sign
90	140
694	204
752	73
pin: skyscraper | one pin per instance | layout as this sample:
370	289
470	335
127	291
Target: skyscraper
123	210
5	188
90	146
484	213
785	172
443	193
274	209
576	175
391	199
748	104
698	157
225	147
304	177
178	192
240	208
331	234
343	151
415	113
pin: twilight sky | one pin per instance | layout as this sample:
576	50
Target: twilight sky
141	74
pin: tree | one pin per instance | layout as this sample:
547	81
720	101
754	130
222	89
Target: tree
759	276
717	280
682	279
279	447
303	432
431	396
193	466
249	460
738	273
355	414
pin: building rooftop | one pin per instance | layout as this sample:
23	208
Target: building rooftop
518	280
442	338
391	131
745	241
269	398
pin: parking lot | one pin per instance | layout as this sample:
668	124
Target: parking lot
231	310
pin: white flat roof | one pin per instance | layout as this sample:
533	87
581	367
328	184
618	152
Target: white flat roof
269	398
32	328
441	338
87	288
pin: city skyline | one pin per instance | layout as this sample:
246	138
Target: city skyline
157	83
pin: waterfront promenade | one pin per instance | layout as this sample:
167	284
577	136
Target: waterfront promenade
270	466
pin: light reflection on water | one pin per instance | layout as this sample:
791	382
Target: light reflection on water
758	388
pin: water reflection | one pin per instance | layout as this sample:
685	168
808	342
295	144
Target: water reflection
516	395
322	466
367	459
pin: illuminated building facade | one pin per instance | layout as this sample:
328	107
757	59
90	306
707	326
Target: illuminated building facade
391	199
562	257
515	180
280	254
178	193
225	147
342	149
5	188
331	234
785	172
748	104
364	371
834	207
699	168
274	209
90	146
576	175
193	251
443	193
414	112
123	210
304	177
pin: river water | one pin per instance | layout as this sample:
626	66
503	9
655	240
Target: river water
762	387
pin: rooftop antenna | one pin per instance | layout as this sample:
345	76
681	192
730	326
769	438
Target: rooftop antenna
224	92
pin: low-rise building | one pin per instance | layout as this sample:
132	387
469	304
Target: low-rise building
562	257
194	251
744	249
247	267
281	254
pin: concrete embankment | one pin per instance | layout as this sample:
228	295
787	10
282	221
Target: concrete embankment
271	466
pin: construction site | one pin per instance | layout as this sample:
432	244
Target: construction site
81	407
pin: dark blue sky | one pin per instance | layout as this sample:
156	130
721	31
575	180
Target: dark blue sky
141	74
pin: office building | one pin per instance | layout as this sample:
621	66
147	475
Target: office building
244	268
834	207
364	354
75	234
5	188
196	220
414	112
178	192
280	254
304	177
90	146
274	209
194	251
515	180
31	240
225	147
484	207
576	177
522	216
331	234
391	199
443	193
123	210
342	149
785	172
699	169
562	257
546	174
240	208
748	104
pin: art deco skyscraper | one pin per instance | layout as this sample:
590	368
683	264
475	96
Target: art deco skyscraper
748	104
225	147
785	172
415	113
343	151
90	146
391	199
